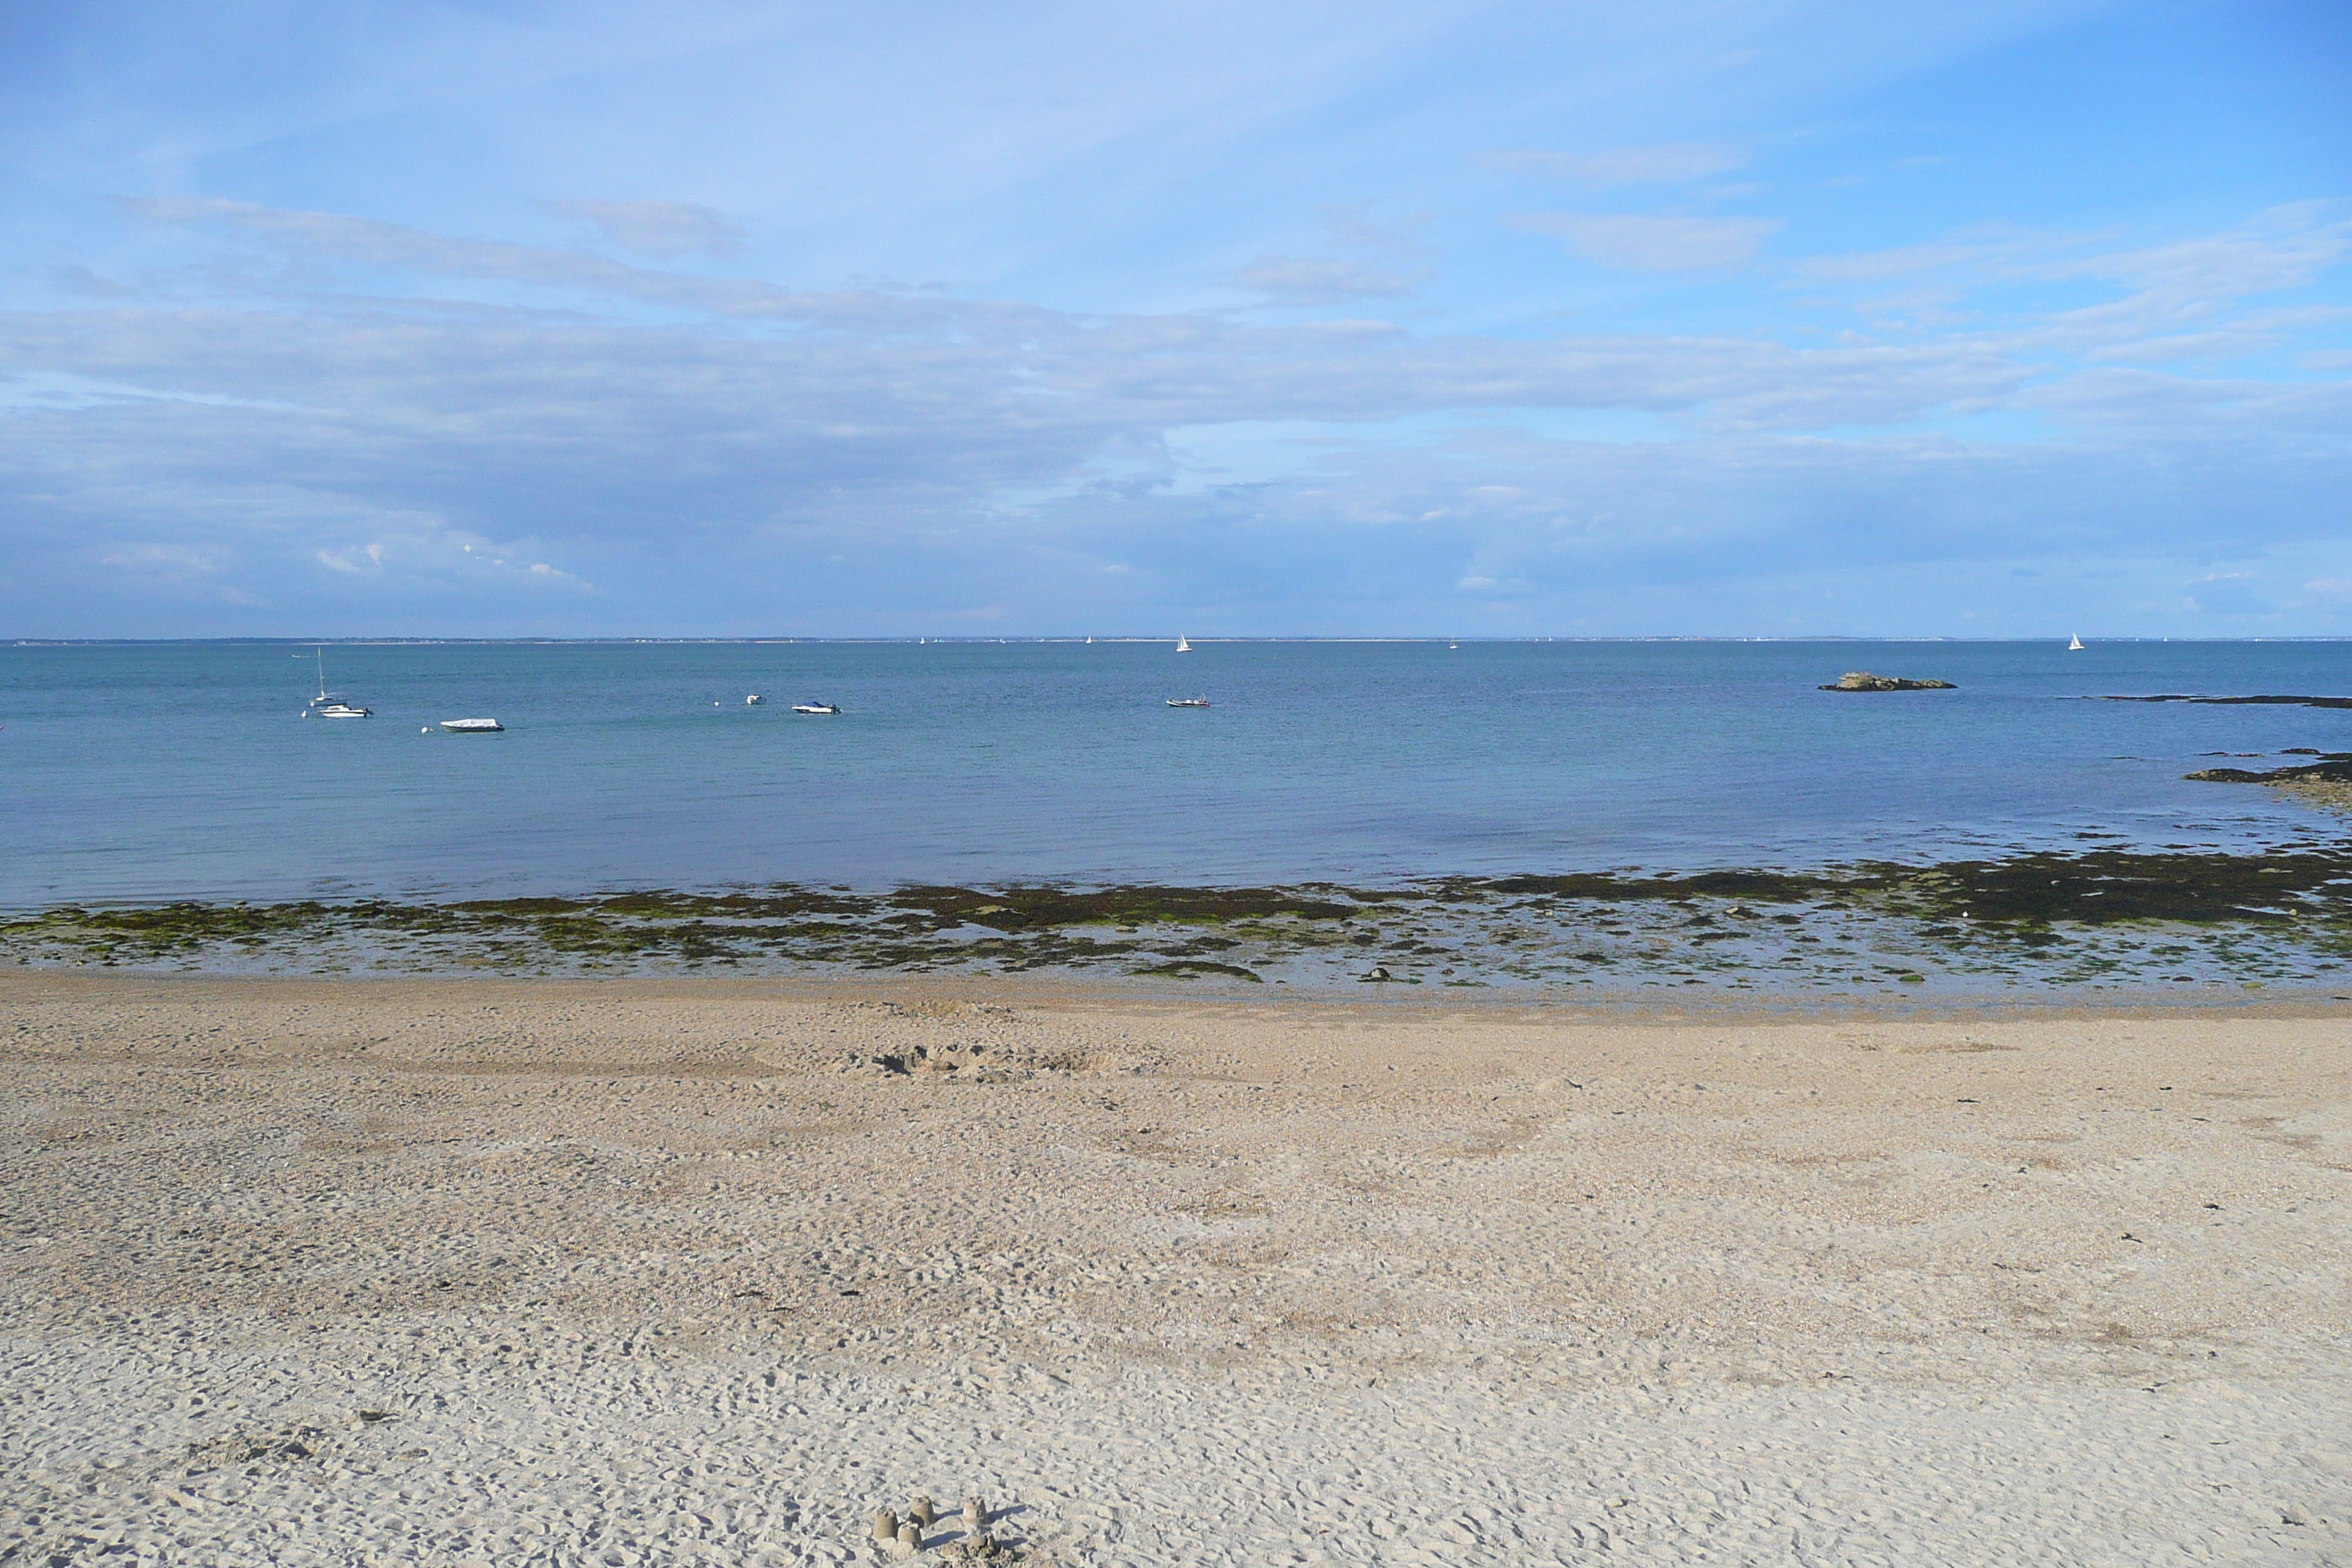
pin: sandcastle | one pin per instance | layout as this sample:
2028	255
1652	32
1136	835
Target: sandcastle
904	1538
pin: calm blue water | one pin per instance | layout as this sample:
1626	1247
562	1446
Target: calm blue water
170	771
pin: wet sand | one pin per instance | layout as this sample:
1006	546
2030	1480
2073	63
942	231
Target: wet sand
707	1271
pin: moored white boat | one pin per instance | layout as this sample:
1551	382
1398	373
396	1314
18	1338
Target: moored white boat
817	707
329	704
472	726
1188	703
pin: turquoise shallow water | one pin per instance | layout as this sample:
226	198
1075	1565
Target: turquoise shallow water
155	771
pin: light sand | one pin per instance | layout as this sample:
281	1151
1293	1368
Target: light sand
673	1272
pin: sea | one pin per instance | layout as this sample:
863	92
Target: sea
150	772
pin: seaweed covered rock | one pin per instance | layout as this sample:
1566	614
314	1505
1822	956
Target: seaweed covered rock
1863	680
2326	784
2333	767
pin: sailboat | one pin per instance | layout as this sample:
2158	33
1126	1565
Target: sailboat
1181	645
327	705
2077	645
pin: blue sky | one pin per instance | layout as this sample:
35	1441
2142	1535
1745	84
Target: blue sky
1734	317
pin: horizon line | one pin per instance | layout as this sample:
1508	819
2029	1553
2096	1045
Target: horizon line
917	639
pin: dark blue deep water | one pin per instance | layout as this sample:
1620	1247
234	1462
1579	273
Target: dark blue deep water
136	772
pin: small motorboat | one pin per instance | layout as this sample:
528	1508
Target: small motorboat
817	707
472	726
1188	703
754	700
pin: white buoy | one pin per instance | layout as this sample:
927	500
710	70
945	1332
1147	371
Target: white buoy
424	728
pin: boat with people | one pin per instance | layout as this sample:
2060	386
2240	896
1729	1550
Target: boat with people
816	706
1188	703
329	704
472	726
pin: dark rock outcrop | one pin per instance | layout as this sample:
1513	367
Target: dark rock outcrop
2270	700
2333	767
1863	680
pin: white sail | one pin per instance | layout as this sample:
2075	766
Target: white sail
2075	645
1181	645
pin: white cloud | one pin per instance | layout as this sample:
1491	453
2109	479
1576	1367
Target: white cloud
1668	163
662	230
955	452
366	558
2281	248
1632	243
2182	301
170	560
1351	226
1322	280
1878	266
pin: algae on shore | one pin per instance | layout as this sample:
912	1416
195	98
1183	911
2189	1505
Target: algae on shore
2094	917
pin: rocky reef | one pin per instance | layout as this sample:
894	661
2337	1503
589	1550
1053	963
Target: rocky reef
1863	680
2270	699
2327	782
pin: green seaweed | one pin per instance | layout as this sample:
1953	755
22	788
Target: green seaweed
1191	969
2069	917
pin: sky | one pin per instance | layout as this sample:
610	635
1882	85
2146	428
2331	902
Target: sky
1286	318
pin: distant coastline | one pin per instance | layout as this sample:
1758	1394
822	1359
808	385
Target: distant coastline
768	639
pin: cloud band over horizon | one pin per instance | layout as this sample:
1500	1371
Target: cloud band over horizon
1478	388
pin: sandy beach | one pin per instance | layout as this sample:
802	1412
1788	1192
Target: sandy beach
708	1272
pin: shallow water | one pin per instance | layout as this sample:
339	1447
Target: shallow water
155	771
